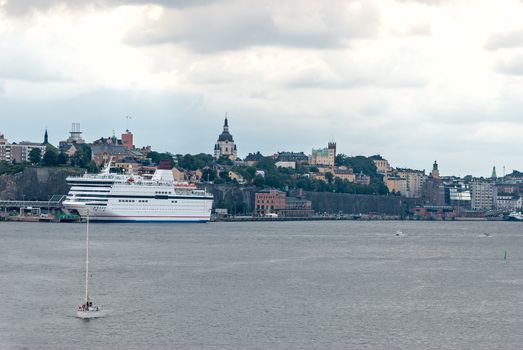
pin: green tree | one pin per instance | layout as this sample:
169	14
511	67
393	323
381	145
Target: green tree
62	158
267	164
11	168
208	174
50	157
92	167
82	156
35	155
224	160
259	181
329	176
156	158
224	174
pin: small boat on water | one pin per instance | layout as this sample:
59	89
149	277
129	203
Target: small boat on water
399	233
515	216
87	310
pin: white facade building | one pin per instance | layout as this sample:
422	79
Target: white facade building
482	195
415	180
5	149
283	164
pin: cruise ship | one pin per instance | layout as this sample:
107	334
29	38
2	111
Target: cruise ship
112	197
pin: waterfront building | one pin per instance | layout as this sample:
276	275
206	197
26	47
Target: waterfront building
225	146
269	201
5	149
415	180
507	202
296	207
324	156
396	184
275	201
482	194
433	192
458	197
382	165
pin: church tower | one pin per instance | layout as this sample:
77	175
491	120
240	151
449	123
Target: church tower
46	138
435	171
225	146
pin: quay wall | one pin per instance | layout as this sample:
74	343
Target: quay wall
240	201
327	202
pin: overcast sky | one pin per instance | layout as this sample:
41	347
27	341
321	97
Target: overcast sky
412	80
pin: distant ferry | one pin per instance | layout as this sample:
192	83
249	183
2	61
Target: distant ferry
128	198
515	216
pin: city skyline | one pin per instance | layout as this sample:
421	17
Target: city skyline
411	80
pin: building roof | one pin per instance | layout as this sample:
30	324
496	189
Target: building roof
376	157
254	156
225	136
292	156
109	148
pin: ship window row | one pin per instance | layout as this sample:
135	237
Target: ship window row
133	201
162	192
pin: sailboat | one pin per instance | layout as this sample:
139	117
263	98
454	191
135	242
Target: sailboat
87	310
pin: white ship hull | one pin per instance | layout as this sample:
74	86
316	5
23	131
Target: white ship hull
85	314
124	198
178	213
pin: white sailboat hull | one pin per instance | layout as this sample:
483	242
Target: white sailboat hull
88	314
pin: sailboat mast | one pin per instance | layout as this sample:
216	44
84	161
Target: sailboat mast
87	263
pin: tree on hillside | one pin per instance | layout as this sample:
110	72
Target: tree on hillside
329	177
156	158
82	156
35	155
267	164
193	162
62	158
50	157
208	174
259	181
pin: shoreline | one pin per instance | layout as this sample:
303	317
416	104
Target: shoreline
268	219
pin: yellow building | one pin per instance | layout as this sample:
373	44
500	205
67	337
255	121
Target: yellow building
324	156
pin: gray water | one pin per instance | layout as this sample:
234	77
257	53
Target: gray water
281	285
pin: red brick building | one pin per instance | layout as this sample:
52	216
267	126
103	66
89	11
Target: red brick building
269	202
127	140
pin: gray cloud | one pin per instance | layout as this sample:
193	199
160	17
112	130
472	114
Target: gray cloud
427	2
22	7
24	63
240	25
505	40
512	66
